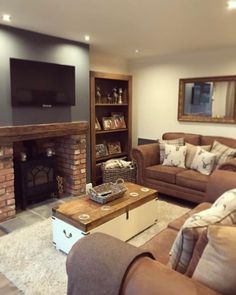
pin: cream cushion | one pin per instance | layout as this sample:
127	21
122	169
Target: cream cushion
222	211
223	152
175	155
177	142
203	161
217	265
191	151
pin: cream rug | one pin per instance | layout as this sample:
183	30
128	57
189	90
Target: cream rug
30	261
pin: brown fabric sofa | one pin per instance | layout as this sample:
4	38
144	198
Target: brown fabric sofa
174	181
146	276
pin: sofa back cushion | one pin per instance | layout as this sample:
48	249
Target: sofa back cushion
191	151
223	152
217	265
208	140
222	211
188	137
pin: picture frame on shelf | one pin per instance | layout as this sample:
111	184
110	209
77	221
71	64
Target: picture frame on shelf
114	147
97	125
101	150
119	121
108	123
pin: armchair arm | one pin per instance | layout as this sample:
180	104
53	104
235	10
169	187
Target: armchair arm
150	277
219	182
144	156
229	165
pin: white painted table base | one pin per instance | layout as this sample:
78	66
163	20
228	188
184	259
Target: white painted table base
122	227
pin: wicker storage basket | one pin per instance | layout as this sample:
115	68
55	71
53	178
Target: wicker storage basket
111	175
107	192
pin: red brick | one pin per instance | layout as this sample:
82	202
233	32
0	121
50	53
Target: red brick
10	177
9	183
10	189
8	151
11	213
2	204
11	202
2	191
6	171
2	178
3	216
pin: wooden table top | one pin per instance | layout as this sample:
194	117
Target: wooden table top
70	211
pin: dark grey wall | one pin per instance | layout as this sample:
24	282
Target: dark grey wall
23	44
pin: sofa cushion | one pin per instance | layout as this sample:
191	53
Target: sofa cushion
176	142
191	151
218	260
222	211
231	142
163	173
192	179
160	244
175	155
197	253
203	161
188	137
178	223
224	152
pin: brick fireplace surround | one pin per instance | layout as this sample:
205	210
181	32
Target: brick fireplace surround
69	141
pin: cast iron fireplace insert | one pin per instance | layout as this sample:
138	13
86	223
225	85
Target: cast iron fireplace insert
35	180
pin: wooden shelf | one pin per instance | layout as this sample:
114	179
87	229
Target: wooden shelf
106	83
101	159
111	131
110	104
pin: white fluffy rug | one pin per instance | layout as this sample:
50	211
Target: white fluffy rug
30	261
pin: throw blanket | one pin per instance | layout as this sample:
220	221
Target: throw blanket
98	263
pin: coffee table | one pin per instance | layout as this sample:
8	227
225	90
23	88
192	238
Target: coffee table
122	218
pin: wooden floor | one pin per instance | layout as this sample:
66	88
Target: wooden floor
6	287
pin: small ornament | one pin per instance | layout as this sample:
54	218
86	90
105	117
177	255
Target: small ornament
98	95
115	95
120	101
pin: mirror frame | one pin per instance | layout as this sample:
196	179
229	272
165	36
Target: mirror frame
207	119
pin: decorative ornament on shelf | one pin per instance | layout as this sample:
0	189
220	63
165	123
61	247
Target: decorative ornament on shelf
98	95
120	101
115	95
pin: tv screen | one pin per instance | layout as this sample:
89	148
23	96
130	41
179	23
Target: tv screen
43	84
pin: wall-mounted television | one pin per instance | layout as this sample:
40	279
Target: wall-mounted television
35	83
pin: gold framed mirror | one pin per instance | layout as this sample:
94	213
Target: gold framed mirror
208	99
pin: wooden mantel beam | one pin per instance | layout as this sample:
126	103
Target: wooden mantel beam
35	131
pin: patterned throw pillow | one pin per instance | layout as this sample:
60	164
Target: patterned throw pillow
218	260
203	161
222	211
191	151
224	152
175	155
176	142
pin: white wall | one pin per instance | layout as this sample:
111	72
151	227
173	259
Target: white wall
107	63
155	92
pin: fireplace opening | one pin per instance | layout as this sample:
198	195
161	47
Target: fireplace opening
35	174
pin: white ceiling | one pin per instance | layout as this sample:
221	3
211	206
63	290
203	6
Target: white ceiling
118	27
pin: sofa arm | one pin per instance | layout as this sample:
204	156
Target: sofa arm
145	155
220	181
229	165
97	264
150	277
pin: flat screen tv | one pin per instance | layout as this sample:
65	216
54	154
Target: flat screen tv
42	84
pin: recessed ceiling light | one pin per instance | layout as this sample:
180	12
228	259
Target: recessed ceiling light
86	37
6	17
231	4
136	51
